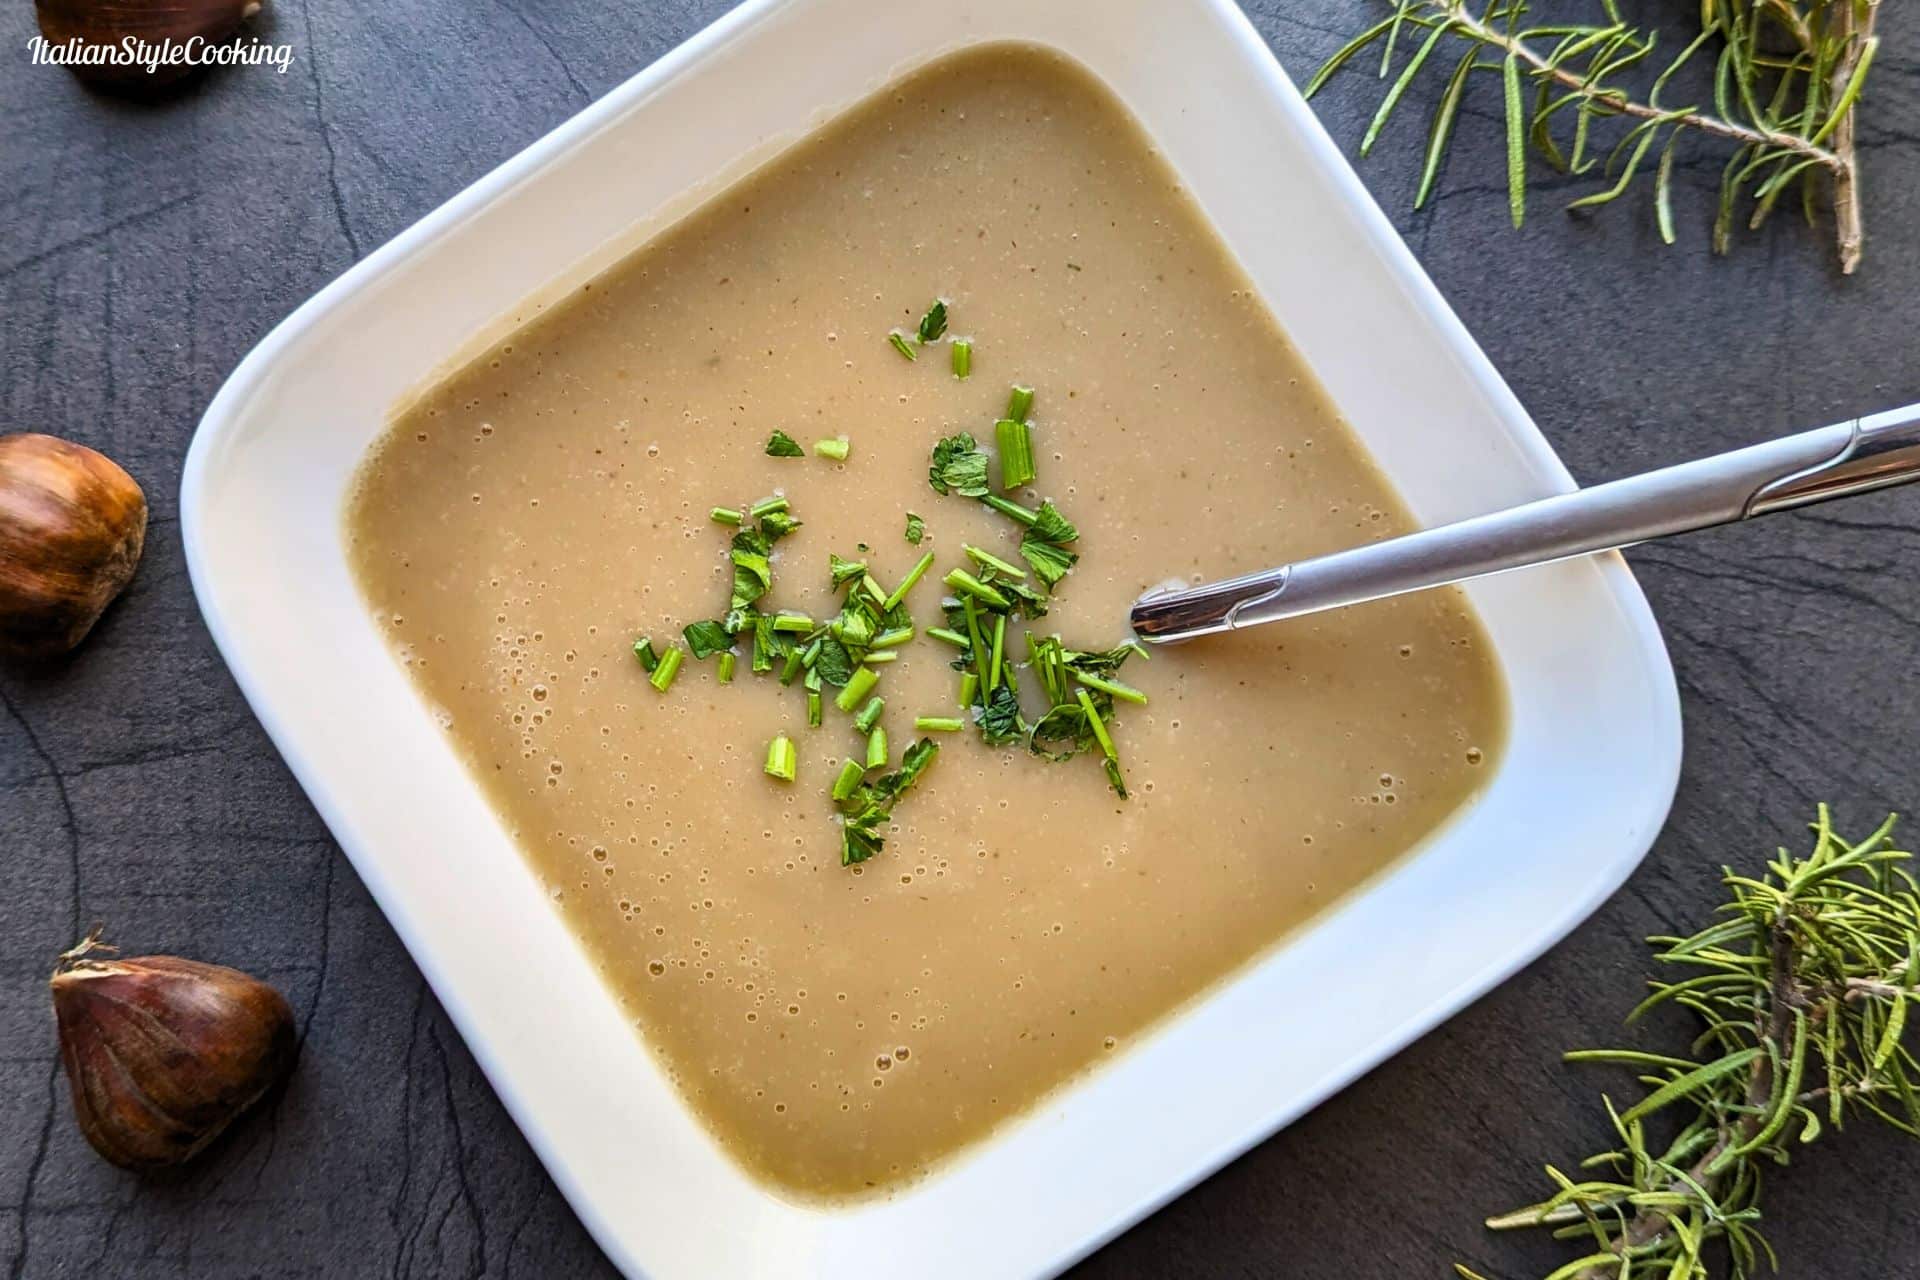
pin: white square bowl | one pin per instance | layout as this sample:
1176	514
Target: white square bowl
1583	787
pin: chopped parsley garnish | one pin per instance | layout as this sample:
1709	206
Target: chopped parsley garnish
707	638
844	571
1080	690
858	686
933	324
987	560
958	466
1051	562
852	772
782	758
907	583
868	807
662	677
1016	453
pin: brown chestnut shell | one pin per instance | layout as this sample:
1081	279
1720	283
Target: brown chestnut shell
162	1054
108	22
72	526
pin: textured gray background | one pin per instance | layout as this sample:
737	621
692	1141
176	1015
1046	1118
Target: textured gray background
144	250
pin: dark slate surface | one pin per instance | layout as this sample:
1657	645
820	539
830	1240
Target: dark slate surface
144	250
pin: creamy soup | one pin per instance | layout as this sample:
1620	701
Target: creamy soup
842	1028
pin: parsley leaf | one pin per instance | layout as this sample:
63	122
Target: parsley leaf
916	528
958	466
844	571
782	445
707	638
934	323
1050	561
776	525
1000	718
1052	526
870	805
834	664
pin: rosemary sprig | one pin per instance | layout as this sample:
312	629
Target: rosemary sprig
1786	82
1804	989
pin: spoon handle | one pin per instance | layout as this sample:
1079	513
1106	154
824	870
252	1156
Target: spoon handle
1829	462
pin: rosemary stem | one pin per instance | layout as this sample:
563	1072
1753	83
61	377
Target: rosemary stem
1775	1023
1456	13
1848	227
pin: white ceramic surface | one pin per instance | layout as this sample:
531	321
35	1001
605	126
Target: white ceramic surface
1583	788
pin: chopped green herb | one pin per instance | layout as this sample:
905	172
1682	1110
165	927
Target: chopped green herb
969	688
958	466
1049	561
782	758
851	772
776	525
1010	509
961	580
813	709
869	714
752	574
725	669
844	571
907	583
724	515
953	638
795	664
999	650
986	559
877	747
880	657
791	620
707	638
835	449
1098	726
767	506
1000	719
934	323
1016	453
916	528
938	724
643	650
858	686
1019	402
1124	692
893	637
869	806
833	663
782	445
900	344
662	677
962	358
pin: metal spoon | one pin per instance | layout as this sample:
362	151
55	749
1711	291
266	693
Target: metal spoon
1830	462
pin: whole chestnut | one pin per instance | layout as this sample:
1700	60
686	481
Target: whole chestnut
162	1054
111	23
72	525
